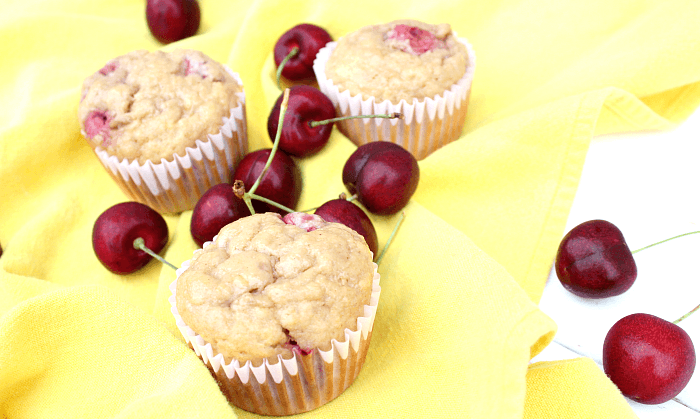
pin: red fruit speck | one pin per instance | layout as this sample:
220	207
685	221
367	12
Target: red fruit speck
196	67
308	222
97	123
108	68
419	41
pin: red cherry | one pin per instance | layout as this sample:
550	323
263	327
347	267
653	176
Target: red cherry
172	20
345	212
383	175
649	359
298	138
593	261
218	207
309	39
116	229
281	183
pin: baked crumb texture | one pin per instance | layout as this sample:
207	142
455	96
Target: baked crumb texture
167	126
150	105
421	70
281	310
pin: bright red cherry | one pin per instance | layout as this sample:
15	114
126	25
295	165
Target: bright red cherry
298	137
649	359
594	261
116	229
218	207
281	183
172	20
308	39
345	212
383	175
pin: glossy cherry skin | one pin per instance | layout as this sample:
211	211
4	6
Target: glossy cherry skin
594	261
305	104
218	207
116	229
281	183
345	212
383	175
309	39
172	20
649	359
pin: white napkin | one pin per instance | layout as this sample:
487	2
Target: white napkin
648	185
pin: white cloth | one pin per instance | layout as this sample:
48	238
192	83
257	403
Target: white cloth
648	185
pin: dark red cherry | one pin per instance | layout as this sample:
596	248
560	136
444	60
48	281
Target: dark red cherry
309	39
345	212
298	137
649	359
215	209
172	20
116	229
281	183
594	261
383	175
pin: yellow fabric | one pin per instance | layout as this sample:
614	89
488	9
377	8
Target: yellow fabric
572	389
457	320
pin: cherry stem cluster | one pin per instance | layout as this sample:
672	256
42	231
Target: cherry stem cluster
683	317
289	56
398	115
140	244
239	187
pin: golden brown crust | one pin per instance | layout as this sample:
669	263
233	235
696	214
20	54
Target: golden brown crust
148	106
265	286
403	59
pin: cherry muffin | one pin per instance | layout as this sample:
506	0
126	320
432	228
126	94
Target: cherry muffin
422	70
280	309
166	125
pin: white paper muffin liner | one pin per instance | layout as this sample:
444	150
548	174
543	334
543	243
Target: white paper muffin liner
175	186
289	386
428	123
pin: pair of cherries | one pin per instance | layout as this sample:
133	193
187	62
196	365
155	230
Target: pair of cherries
650	359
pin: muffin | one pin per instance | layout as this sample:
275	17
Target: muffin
167	126
423	71
280	310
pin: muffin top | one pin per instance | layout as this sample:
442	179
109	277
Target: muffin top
403	59
150	105
269	286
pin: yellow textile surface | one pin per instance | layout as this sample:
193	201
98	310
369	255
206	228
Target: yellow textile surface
457	320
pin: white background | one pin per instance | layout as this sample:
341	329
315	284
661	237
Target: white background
648	185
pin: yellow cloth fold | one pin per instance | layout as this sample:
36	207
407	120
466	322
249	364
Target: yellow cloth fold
457	320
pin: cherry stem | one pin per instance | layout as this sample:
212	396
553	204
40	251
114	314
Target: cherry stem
289	56
664	241
251	192
391	237
342	118
683	317
269	201
140	244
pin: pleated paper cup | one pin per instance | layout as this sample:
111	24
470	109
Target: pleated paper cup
175	185
287	386
427	125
